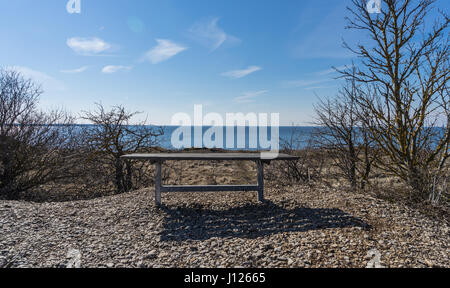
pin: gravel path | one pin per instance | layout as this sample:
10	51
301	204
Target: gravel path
297	227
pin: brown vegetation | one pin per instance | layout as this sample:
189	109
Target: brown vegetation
389	126
36	147
404	72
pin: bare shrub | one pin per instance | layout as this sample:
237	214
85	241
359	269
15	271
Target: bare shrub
36	147
407	67
344	136
307	169
112	134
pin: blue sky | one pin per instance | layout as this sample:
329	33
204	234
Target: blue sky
162	57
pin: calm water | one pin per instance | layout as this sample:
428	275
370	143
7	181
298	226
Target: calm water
297	135
285	134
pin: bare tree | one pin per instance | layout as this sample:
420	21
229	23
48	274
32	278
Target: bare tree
344	135
441	174
112	135
407	66
308	168
35	147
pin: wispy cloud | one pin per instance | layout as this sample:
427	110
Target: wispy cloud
75	71
304	83
165	50
319	87
321	37
88	46
330	71
110	69
48	82
241	73
249	97
209	34
317	80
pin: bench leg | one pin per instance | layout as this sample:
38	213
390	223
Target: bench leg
158	184
260	165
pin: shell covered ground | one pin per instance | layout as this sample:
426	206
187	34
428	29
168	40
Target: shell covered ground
297	226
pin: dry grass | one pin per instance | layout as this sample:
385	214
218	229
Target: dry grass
382	185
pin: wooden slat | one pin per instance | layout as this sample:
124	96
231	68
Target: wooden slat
158	159
158	184
260	169
210	188
205	156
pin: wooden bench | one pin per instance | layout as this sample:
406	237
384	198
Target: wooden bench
158	160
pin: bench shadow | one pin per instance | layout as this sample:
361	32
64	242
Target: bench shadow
250	221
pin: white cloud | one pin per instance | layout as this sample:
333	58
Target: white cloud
321	77
88	46
249	97
210	35
330	71
319	87
242	73
110	69
322	38
75	71
303	83
48	82
165	50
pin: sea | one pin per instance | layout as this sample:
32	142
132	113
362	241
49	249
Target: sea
292	135
249	139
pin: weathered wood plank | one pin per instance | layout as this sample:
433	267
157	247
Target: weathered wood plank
158	183
159	158
260	168
205	156
210	188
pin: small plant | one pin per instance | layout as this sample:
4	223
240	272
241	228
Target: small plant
112	135
36	147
